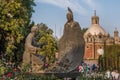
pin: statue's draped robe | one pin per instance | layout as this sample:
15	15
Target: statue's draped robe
71	48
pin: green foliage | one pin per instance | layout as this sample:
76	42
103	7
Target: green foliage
112	57
84	30
2	68
14	24
21	74
45	35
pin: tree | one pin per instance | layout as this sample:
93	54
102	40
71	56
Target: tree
45	35
14	25
84	30
111	55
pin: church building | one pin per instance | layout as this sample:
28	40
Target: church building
95	40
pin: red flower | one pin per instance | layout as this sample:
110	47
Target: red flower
15	69
10	74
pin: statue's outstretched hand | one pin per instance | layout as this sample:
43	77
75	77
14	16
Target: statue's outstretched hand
42	44
38	49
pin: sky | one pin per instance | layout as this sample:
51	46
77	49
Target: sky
53	13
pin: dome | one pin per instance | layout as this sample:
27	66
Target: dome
95	29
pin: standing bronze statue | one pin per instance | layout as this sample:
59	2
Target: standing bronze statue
70	46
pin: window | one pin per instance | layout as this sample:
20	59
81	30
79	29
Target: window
87	46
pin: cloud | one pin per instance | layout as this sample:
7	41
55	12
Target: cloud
92	4
75	5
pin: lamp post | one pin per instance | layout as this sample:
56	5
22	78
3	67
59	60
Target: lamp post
100	53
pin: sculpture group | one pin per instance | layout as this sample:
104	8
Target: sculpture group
70	47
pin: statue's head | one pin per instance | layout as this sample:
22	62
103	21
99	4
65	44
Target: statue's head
69	15
34	29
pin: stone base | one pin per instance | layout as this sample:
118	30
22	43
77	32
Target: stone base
59	75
